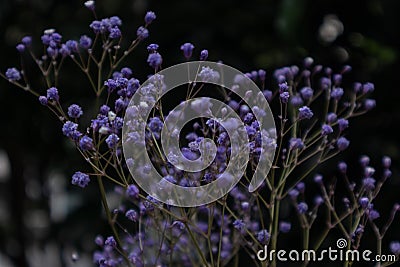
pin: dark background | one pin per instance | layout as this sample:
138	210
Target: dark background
44	219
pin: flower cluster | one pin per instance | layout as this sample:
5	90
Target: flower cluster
312	112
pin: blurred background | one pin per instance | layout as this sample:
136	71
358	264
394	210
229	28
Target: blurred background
45	220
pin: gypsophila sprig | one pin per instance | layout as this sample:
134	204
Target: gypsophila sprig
314	109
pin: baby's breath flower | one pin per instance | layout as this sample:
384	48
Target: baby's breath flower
187	49
149	17
342	143
80	179
13	74
305	113
74	111
285	227
142	33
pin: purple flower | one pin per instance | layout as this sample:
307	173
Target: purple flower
318	200
283	87
325	83
343	124
203	55
119	104
261	74
132	191
149	17
373	214
254	75
112	141
187	49
234	105
43	100
284	96
111	85
364	161
386	162
346	69
99	122
308	61
294	193
368	88
52	94
369	104
142	33
302	207
342	166
74	111
115	21
250	130
99	240
69	128
46	38
317	69
52	52
395	247
132	215
80	179
55	36
245	206
110	242
170	179
387	173
337	79
239	225
296	101
86	143
151	48
318	179
96	26
64	50
364	202
13	74
346	202
89	5
369	171
85	42
337	93
263	236
178	225
369	183
285	227
359	230
208	178
248	118
306	93
296	143
126	72
27	41
342	143
154	60
72	45
207	74
301	187
326	129
115	33
20	48
357	87
331	117
305	113
155	124
328	71
105	25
